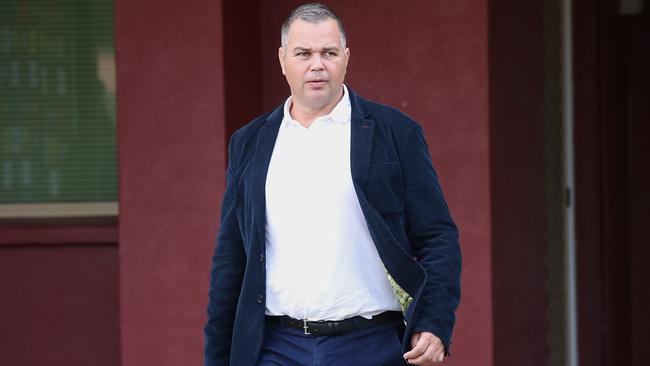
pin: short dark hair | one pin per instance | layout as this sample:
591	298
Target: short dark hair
312	13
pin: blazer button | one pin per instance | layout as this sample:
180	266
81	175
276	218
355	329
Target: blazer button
261	257
260	298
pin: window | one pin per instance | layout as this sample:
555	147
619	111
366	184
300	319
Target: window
57	108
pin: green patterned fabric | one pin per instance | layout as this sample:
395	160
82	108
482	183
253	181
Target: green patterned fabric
401	295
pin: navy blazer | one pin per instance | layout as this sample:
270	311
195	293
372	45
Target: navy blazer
404	208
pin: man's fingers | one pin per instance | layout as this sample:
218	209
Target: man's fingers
423	359
441	355
419	343
418	346
414	339
432	356
427	349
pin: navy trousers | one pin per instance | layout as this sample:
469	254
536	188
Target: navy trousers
375	346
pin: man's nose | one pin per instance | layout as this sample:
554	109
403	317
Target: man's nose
317	62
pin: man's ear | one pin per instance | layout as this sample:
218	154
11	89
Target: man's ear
347	55
281	59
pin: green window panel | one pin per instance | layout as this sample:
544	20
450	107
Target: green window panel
57	102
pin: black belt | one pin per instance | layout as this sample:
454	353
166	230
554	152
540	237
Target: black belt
335	327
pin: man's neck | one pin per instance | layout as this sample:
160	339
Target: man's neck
305	115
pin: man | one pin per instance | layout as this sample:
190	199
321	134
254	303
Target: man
332	223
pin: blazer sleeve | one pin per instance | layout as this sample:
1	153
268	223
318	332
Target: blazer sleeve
228	264
433	237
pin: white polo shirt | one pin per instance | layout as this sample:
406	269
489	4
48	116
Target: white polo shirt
321	263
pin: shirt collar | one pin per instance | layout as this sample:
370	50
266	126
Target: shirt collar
341	113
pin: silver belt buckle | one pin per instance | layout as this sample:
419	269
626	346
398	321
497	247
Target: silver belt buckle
305	327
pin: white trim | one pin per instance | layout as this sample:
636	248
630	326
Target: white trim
569	181
57	210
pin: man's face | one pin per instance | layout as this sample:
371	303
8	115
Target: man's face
314	63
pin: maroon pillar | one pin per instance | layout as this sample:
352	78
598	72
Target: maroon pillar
605	181
171	135
518	169
637	29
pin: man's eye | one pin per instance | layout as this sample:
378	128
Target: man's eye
302	54
331	53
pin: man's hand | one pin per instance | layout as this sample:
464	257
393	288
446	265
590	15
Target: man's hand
427	350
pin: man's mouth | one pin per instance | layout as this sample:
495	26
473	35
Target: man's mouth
317	82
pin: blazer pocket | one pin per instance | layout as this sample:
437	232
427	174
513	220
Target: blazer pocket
384	187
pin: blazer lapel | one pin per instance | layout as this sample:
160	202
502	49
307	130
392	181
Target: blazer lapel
266	137
362	130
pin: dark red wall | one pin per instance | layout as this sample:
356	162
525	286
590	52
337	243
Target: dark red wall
58	302
637	81
241	62
172	139
428	58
